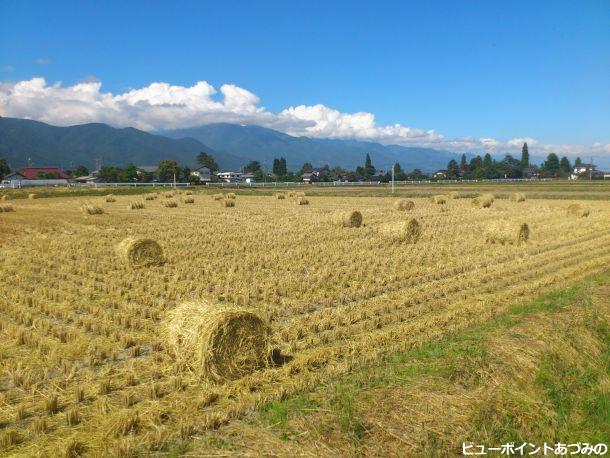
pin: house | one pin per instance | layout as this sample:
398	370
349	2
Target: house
44	173
530	172
440	174
36	176
586	171
203	173
310	176
247	177
230	177
150	170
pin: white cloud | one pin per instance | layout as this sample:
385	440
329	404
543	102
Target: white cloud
8	68
42	61
160	106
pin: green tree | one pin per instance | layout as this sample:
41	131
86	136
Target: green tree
129	174
399	173
279	167
577	162
167	169
307	168
252	167
565	166
463	165
551	165
417	174
109	174
207	160
369	169
4	168
453	170
525	156
80	171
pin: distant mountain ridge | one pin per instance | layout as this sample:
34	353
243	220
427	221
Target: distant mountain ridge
48	145
233	146
265	144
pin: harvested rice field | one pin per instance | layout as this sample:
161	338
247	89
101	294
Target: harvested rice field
128	325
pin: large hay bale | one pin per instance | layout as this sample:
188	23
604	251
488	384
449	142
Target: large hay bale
6	208
504	233
150	197
6	197
170	203
411	231
280	195
32	196
517	197
438	199
140	252
577	210
188	200
218	196
404	205
227	203
136	205
91	209
453	195
352	219
483	201
169	195
230	195
302	201
110	198
217	342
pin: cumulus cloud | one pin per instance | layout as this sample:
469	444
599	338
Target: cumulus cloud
161	106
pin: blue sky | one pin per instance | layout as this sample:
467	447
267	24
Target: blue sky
465	69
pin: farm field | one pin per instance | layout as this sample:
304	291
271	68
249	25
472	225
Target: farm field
85	364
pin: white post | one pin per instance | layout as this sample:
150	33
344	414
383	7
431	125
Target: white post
174	180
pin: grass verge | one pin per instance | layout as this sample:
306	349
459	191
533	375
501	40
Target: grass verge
539	373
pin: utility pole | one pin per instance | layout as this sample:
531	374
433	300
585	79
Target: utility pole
393	165
590	168
174	179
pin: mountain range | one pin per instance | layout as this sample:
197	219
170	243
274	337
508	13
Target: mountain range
23	140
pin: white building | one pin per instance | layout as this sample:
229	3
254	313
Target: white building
203	173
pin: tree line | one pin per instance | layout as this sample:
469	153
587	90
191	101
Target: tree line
476	168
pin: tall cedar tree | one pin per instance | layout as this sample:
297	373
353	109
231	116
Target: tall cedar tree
525	156
369	170
4	168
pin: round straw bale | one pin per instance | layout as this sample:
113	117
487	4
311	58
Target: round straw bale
217	342
170	203
169	195
352	219
453	195
140	252
483	201
110	198
6	208
301	201
404	205
517	197
280	195
32	196
411	231
6	197
230	195
439	199
136	205
577	210
91	209
150	197
227	203
218	196
189	200
503	232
